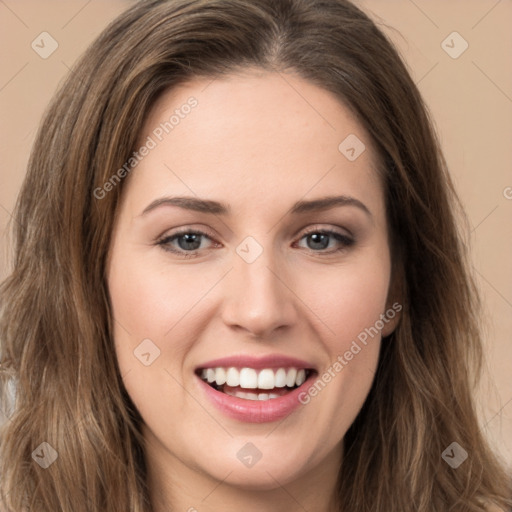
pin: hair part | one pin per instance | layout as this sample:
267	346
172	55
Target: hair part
56	325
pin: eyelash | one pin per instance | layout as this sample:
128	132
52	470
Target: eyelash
164	242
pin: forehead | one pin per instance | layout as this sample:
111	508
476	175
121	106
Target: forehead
261	134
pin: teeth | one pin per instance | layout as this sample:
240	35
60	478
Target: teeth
266	379
220	376
252	396
280	378
249	378
233	377
290	377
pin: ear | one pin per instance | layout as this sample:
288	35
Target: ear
394	302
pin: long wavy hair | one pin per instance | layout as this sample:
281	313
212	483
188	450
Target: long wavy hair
56	341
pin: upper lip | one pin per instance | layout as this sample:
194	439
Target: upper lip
257	362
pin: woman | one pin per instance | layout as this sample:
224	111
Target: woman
202	169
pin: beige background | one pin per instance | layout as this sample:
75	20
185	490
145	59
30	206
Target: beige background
470	98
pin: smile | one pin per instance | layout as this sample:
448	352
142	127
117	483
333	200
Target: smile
255	390
264	384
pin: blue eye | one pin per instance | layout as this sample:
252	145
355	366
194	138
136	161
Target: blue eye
320	240
187	243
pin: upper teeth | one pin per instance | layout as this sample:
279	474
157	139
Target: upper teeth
249	378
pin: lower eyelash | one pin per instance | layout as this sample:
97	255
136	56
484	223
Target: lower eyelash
164	243
344	240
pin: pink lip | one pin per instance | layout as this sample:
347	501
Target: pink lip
270	361
254	411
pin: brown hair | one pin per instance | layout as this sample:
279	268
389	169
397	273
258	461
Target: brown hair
55	324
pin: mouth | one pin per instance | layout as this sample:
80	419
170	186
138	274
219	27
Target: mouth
260	384
255	389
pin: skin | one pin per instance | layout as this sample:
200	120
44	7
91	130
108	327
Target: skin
258	142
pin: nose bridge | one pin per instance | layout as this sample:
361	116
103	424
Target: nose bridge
259	300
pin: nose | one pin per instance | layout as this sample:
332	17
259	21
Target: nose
259	297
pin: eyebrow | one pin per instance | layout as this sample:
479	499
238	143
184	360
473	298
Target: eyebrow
217	208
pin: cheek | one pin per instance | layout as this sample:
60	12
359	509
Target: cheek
349	303
147	299
149	303
151	310
347	300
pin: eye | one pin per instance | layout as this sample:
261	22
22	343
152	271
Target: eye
188	242
319	240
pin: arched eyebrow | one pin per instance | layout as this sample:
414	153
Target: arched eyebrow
326	203
217	208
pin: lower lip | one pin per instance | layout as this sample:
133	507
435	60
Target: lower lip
256	411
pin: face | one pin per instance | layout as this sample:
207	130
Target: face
252	282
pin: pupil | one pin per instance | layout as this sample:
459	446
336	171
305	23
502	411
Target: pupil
188	239
315	238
